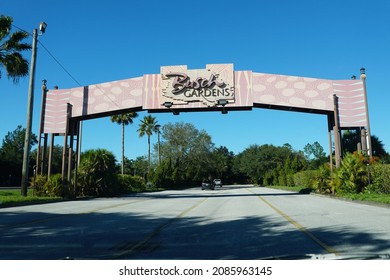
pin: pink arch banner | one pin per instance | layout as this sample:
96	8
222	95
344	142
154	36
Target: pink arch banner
181	89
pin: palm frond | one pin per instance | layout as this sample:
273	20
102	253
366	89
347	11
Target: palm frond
10	47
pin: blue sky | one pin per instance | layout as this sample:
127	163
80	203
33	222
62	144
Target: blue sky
102	41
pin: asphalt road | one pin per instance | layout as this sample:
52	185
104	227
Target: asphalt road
233	222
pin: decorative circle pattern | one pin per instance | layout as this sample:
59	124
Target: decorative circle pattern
292	91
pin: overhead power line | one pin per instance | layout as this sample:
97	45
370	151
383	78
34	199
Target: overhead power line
59	63
52	56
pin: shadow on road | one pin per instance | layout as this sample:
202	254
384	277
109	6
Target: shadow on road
218	192
131	236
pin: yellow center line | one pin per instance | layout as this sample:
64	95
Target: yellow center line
301	228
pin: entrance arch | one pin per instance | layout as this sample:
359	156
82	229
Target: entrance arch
216	88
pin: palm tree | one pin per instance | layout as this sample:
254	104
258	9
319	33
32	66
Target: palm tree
10	47
124	119
147	126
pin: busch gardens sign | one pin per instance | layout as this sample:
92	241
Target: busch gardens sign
208	86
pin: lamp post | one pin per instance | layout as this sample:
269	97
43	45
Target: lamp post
30	105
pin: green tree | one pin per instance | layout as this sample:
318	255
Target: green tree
163	176
11	155
262	162
140	166
11	46
189	152
97	173
315	155
223	163
123	120
147	127
351	138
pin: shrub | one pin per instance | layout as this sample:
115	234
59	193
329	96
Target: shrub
322	182
305	178
282	180
352	174
162	176
267	179
38	184
97	173
290	180
49	186
131	184
380	177
54	187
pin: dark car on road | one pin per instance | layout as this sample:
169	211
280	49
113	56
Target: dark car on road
207	184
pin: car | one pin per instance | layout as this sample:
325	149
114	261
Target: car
217	182
207	184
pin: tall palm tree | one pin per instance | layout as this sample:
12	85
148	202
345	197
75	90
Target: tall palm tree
147	126
124	119
10	47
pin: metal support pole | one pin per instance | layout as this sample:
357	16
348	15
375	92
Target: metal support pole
40	162
44	154
70	155
70	159
363	139
64	152
30	105
79	141
330	143
65	147
369	144
330	151
50	155
76	161
336	132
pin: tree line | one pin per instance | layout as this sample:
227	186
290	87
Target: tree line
184	156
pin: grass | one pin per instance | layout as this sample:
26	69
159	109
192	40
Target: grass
9	198
367	197
370	197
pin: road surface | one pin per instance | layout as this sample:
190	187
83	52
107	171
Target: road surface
233	222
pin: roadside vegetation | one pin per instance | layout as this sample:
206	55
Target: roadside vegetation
9	198
185	156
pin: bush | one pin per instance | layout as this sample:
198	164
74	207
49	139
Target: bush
38	184
380	176
97	173
131	184
49	187
54	187
290	180
305	178
282	179
162	176
323	182
267	179
352	174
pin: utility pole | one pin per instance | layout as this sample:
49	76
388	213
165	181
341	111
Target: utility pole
30	105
